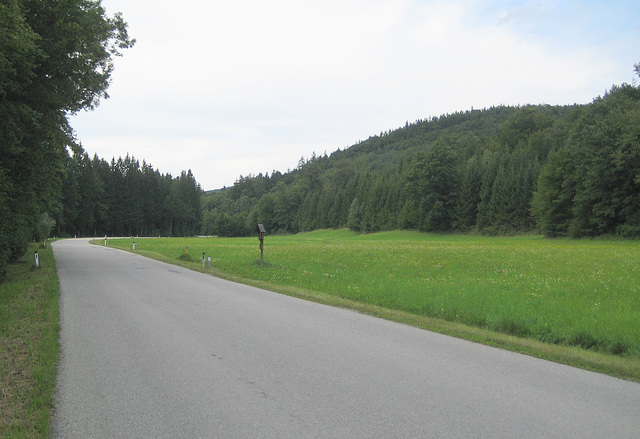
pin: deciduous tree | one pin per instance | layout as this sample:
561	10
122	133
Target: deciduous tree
56	58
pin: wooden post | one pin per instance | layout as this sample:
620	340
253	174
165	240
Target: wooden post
262	249
261	232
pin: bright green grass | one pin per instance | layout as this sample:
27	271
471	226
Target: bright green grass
583	293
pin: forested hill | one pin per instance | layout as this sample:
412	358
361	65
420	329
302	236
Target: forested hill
563	171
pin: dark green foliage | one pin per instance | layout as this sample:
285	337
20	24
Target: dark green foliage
469	186
56	58
508	184
572	170
432	175
125	199
431	186
591	187
553	199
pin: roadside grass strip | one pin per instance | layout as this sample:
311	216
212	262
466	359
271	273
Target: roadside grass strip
571	301
29	348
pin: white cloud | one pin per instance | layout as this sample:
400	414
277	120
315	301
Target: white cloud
231	88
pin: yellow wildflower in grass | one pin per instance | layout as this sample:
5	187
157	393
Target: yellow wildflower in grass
525	285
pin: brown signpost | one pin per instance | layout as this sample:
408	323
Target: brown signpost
261	232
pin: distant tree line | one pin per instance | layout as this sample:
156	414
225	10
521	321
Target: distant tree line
559	170
124	198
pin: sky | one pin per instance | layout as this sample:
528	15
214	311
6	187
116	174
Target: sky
237	88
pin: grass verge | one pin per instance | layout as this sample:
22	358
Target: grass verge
29	347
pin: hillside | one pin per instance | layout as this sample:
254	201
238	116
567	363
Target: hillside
560	170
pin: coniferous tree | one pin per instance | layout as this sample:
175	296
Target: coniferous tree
432	185
607	138
469	171
552	202
469	195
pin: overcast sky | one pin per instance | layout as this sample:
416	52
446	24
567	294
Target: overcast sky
230	88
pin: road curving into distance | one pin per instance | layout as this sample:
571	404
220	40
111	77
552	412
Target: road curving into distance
154	350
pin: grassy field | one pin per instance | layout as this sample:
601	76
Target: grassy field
576	293
29	346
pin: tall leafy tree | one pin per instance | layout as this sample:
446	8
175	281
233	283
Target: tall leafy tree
590	187
56	58
19	53
607	139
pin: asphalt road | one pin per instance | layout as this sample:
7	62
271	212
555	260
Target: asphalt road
153	350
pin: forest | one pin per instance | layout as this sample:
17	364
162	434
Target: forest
56	59
124	198
557	170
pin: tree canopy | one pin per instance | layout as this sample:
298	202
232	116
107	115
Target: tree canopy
559	170
591	186
125	198
56	58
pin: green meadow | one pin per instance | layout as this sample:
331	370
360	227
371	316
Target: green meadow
581	293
